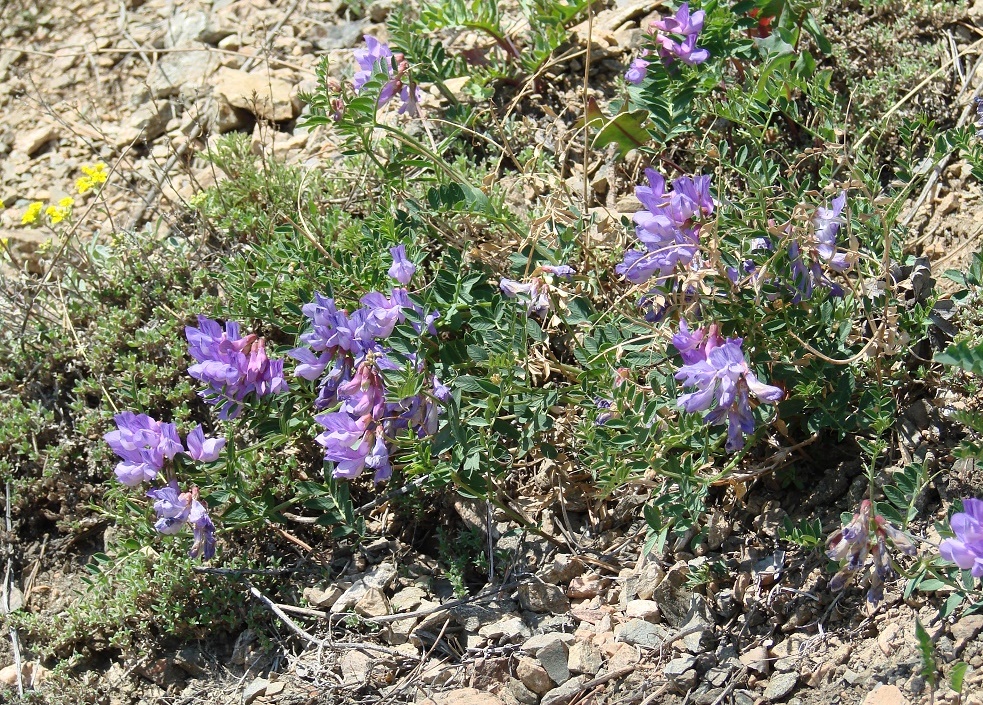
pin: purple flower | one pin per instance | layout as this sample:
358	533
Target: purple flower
827	223
377	56
204	449
966	549
144	445
694	347
402	269
866	534
809	263
686	26
979	115
535	291
637	71
724	384
667	227
353	444
203	530
233	367
174	509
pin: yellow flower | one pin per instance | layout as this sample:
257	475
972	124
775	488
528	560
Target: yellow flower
32	213
3	243
1	204
94	175
66	202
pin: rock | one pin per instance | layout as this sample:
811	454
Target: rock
623	655
673	596
533	675
349	597
678	666
885	695
32	674
147	124
585	587
275	688
252	691
438	673
179	70
553	657
337	36
565	567
885	638
186	28
355	667
534	645
265	97
323	598
585	657
563	693
521	693
780	686
32	142
242	650
463	696
540	597
407	599
191	662
379	9
719	530
645	583
373	603
643	609
641	633
966	629
508	629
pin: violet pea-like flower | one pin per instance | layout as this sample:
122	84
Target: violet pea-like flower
827	222
637	71
402	269
203	449
724	384
175	509
688	26
966	549
144	445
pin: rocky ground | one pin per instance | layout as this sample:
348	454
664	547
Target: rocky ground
585	614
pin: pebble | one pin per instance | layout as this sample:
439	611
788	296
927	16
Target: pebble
564	692
539	597
585	657
885	695
780	686
463	696
553	657
643	609
373	603
355	667
533	675
535	644
252	691
641	633
585	587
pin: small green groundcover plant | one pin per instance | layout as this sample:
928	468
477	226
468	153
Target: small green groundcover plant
757	308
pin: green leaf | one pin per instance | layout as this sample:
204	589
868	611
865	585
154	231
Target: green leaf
957	675
963	356
927	650
625	130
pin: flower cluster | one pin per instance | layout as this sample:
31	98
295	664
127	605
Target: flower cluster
866	534
145	446
668	228
536	289
809	263
966	549
979	116
346	352
233	366
95	175
56	212
724	381
676	37
378	56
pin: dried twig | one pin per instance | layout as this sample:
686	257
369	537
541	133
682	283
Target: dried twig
7	586
320	643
